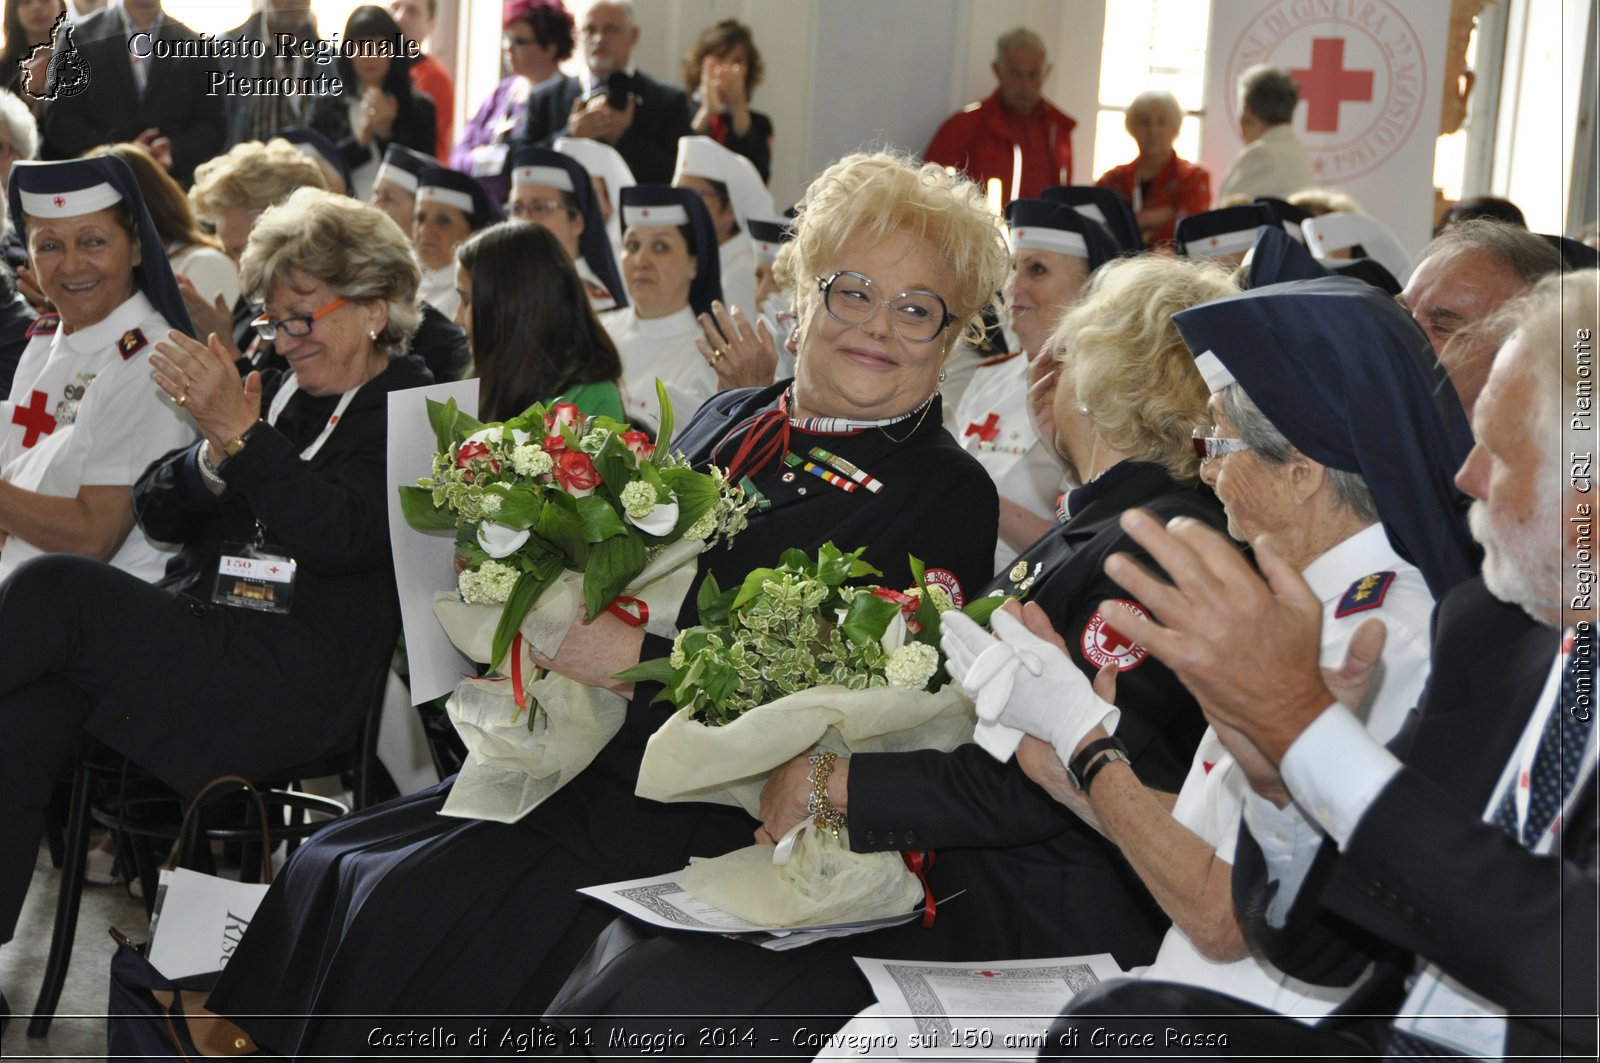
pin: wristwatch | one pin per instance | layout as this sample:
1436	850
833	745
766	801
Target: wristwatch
1095	756
233	447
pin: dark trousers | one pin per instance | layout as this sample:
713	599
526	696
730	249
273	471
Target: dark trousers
70	629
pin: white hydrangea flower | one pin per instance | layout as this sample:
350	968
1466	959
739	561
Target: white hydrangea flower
941	598
491	502
499	580
530	459
912	665
638	498
705	527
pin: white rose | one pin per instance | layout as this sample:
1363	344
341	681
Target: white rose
500	540
894	636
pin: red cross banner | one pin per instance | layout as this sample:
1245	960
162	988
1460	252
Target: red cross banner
1370	74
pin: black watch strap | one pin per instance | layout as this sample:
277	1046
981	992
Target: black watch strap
1110	756
1079	768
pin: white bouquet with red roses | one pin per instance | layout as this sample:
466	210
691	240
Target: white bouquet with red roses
557	516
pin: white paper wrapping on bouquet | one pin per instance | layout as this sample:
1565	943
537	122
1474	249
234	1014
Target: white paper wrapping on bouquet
687	761
823	882
510	770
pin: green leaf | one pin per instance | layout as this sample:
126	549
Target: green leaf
600	521
559	525
752	585
696	494
868	618
658	670
450	424
523	595
709	592
835	567
521	506
612	565
664	425
927	614
416	503
982	609
614	463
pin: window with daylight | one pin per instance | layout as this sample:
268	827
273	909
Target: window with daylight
1150	44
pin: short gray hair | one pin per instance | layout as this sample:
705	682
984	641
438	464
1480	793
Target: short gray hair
1156	100
1021	37
1270	93
352	247
19	120
1526	254
1269	444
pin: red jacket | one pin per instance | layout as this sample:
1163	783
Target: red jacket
980	140
1182	185
429	75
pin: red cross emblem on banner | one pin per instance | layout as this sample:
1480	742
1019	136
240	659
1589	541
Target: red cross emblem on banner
36	421
60	201
987	430
1326	84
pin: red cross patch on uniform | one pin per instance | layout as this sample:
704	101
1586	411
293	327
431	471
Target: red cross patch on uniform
1365	593
1103	644
942	577
44	325
131	343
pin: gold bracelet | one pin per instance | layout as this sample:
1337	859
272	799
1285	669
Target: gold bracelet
827	817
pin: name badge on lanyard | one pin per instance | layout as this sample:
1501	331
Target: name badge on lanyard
253	575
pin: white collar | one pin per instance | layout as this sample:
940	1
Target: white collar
1365	552
128	315
658	327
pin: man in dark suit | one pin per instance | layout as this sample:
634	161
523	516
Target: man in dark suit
614	101
159	102
1463	869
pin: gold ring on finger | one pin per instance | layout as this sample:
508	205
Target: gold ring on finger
181	399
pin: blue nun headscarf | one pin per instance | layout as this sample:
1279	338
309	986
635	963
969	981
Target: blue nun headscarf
1337	367
541	166
662	205
74	187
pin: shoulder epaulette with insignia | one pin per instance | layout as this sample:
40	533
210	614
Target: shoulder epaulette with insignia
999	359
1365	593
131	343
44	325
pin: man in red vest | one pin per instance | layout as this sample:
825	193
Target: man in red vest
1016	136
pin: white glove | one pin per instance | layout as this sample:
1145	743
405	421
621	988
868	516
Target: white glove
1020	681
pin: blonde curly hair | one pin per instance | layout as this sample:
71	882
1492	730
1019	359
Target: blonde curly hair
1126	362
252	175
870	196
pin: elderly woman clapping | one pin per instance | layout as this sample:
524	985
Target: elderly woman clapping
1326	444
264	643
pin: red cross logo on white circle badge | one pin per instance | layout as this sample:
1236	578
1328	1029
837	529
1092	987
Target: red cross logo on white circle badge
1363	77
1103	644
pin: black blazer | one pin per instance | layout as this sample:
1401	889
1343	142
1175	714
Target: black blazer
650	145
177	99
1424	877
413	125
285	687
1040	882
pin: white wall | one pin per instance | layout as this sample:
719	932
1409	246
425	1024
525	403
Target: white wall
843	72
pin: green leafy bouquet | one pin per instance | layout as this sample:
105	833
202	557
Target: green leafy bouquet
552	490
799	659
557	516
802	625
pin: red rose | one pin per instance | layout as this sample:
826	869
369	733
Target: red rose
474	450
575	472
639	443
563	415
555	444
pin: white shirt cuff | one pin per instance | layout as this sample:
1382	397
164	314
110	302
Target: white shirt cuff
1288	846
1335	770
